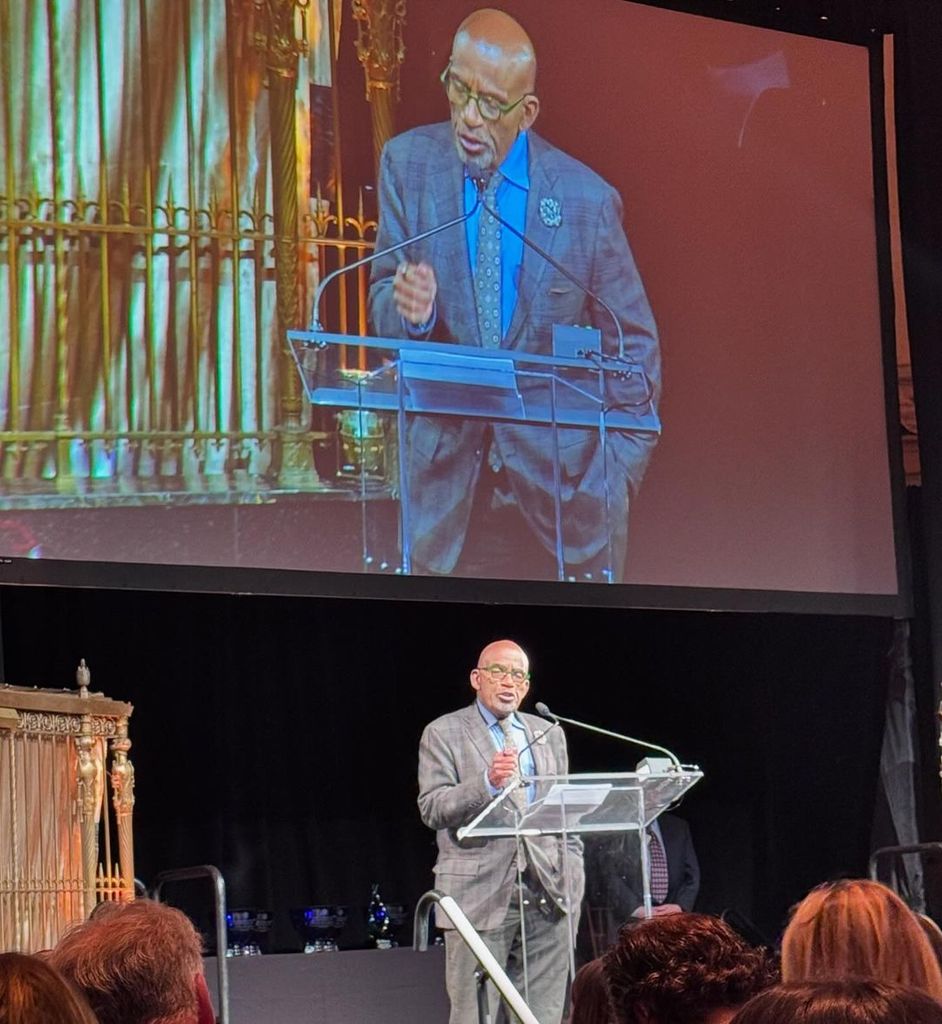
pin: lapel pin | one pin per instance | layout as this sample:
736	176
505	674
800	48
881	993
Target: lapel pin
551	212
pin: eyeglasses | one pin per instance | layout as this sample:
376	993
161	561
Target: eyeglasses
489	107
500	671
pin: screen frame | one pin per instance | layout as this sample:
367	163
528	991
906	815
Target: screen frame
93	574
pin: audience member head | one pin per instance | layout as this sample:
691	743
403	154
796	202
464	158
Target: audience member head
590	1004
858	928
848	1001
683	969
933	933
137	963
31	991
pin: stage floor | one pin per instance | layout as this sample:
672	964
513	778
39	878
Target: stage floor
394	986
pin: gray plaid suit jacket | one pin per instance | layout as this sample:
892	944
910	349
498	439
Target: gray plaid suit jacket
421	185
481	874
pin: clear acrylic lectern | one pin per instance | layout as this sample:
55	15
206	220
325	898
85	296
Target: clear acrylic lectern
581	805
409	378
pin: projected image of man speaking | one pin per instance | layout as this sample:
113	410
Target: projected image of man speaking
483	494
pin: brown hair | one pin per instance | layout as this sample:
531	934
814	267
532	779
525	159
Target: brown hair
32	991
136	962
682	968
848	1001
589	995
858	928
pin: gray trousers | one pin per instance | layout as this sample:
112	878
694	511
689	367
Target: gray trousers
547	947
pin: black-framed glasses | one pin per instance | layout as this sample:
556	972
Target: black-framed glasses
489	107
501	671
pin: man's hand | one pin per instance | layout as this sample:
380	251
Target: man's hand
503	768
414	291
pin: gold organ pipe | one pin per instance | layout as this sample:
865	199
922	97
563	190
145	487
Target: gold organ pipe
104	212
234	193
61	364
132	399
15	839
6	75
59	344
258	258
215	338
105	813
333	28
150	340
193	252
44	863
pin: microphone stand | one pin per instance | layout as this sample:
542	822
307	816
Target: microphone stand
546	713
316	324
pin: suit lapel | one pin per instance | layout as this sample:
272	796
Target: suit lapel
542	755
534	267
479	734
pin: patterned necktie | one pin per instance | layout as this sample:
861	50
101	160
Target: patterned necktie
658	861
487	269
518	798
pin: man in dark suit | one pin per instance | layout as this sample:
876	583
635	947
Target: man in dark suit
614	890
483	494
465	759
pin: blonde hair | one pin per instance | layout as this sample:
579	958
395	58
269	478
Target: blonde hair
858	928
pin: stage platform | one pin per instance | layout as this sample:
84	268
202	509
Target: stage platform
393	986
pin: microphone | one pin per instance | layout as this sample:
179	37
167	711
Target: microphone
316	324
543	710
481	181
535	739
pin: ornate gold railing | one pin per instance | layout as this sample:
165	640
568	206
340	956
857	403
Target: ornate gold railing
58	752
144	439
158	232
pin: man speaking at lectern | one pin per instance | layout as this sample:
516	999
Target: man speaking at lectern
465	759
482	495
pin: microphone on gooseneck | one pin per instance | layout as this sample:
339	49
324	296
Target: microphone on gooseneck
316	324
543	710
535	739
481	181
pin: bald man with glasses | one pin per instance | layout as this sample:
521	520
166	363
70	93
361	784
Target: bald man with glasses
465	759
483	494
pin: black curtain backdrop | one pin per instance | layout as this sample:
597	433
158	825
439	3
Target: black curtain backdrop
919	129
276	738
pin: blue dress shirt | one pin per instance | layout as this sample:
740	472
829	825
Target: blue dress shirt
512	194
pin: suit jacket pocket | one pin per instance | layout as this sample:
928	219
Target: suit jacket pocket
465	866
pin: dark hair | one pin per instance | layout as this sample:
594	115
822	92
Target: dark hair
848	1001
589	995
136	962
31	991
679	968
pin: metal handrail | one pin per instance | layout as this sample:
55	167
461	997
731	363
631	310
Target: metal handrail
886	851
474	942
219	904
